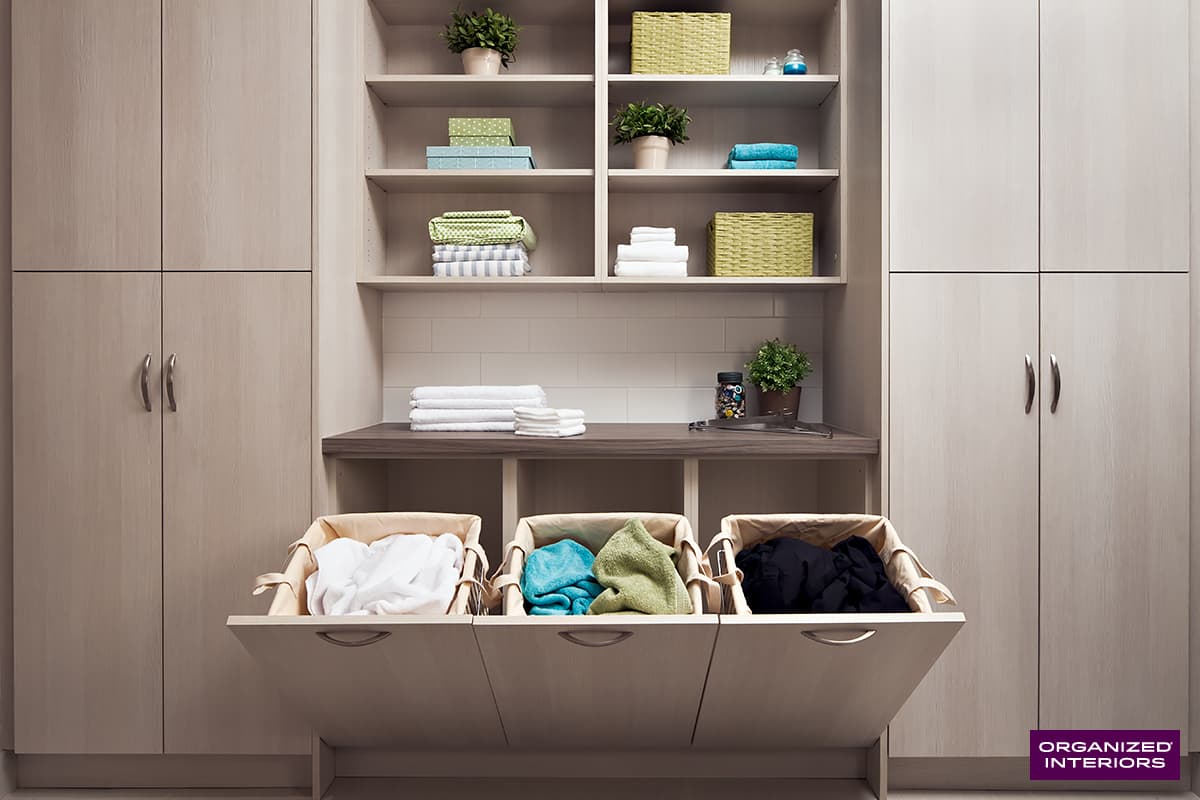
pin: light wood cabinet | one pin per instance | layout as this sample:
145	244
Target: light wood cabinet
1114	502
86	134
964	495
87	513
1114	128
963	132
236	481
237	134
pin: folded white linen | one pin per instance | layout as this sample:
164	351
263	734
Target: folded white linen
653	251
492	392
650	269
480	403
651	238
555	433
462	427
548	414
400	574
425	415
651	230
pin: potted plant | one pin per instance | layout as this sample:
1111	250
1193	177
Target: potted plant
777	369
652	128
486	40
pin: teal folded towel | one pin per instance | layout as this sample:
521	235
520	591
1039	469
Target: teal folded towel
734	163
558	579
764	151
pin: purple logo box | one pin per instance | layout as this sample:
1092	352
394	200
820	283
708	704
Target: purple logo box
1104	755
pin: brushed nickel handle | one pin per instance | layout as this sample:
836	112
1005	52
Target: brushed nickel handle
146	382
1057	375
171	382
375	636
1030	383
595	638
817	637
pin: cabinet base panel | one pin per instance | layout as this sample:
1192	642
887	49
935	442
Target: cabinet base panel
126	771
599	789
1008	774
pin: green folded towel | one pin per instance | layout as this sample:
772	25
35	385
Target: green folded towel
639	575
481	227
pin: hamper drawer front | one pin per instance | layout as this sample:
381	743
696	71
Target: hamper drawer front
816	680
378	681
615	681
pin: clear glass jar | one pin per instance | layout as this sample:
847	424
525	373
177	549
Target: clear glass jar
773	67
731	396
795	64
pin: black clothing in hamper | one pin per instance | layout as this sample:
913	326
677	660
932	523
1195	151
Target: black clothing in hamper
783	576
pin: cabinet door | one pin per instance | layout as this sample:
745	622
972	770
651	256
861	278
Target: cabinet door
237	461
1114	86
964	135
87	513
964	495
237	134
86	134
1114	544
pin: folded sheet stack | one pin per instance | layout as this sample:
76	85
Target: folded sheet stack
481	244
550	422
763	155
471	408
651	253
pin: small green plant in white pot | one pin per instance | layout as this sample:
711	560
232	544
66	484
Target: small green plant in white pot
652	128
777	369
486	40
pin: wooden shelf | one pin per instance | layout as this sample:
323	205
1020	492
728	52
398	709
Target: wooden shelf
429	283
424	91
527	12
703	282
482	180
736	91
603	440
720	180
778	14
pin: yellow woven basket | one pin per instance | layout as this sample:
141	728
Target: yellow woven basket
674	43
770	245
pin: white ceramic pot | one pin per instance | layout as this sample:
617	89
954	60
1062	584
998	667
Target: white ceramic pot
481	61
650	152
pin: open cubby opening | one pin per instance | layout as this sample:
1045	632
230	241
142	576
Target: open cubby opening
552	486
454	486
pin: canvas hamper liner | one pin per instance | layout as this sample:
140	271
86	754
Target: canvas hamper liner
593	531
738	532
291	596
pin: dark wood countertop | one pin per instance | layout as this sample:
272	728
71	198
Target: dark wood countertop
602	440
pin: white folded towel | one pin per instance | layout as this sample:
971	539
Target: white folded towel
537	414
399	574
462	427
652	240
653	251
428	415
650	230
553	433
650	269
478	392
480	403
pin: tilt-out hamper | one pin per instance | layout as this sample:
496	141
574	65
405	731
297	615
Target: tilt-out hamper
760	244
676	43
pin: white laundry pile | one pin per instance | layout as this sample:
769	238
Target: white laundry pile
651	253
470	408
399	574
550	422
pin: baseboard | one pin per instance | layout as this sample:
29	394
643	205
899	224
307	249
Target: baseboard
1194	762
166	771
1010	774
8	773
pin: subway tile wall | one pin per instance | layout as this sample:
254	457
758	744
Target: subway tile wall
636	357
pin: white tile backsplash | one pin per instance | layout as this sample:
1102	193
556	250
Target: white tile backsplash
725	304
627	369
676	335
547	369
745	335
431	304
481	335
599	403
579	335
627	304
431	369
670	405
700	369
529	304
405	335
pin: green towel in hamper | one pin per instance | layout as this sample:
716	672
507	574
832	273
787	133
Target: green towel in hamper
481	227
639	575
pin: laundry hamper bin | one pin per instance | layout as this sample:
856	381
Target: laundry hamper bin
842	676
408	681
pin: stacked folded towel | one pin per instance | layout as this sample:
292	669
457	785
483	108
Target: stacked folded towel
651	253
551	422
492	244
471	408
764	155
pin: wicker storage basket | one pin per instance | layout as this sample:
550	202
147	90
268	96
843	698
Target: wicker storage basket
673	43
773	245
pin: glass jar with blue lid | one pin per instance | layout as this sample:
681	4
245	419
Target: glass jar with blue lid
731	396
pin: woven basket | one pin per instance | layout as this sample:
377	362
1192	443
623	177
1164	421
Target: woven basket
673	43
772	245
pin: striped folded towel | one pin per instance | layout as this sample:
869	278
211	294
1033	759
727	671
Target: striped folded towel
480	252
480	269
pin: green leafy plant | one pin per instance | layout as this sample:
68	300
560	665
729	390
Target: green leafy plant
489	29
650	119
777	367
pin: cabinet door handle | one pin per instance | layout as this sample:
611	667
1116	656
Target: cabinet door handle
146	382
817	637
1057	377
171	382
1030	383
372	638
595	638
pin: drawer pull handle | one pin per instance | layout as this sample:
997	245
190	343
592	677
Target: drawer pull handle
1057	375
586	638
146	382
817	637
372	639
1030	383
171	382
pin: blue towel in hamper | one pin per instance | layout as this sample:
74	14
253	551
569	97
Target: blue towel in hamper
764	151
558	579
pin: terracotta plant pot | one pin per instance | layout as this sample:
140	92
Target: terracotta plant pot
650	152
481	61
785	403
